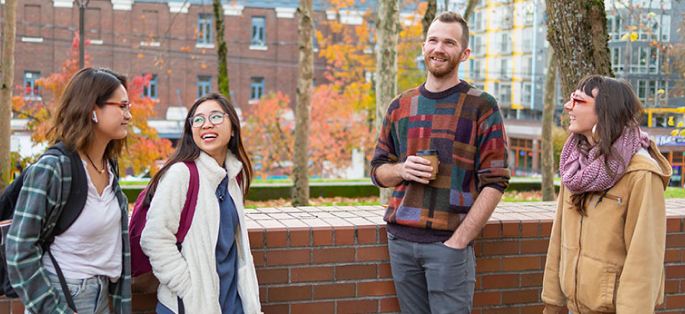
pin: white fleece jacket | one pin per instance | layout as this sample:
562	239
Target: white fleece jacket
191	274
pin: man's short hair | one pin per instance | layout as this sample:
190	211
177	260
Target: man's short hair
454	17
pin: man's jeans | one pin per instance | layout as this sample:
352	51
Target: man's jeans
91	295
432	277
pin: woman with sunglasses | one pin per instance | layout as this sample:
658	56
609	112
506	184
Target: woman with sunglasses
214	271
606	250
92	118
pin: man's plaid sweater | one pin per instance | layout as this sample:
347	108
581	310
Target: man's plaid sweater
465	126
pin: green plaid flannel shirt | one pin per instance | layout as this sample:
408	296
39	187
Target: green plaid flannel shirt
41	201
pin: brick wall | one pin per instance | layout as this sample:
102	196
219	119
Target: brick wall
335	260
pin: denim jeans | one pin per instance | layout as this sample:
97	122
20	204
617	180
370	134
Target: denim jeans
91	295
432	277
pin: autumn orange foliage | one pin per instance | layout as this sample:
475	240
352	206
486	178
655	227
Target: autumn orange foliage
335	132
145	146
268	135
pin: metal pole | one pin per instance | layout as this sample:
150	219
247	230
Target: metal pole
81	33
535	48
658	56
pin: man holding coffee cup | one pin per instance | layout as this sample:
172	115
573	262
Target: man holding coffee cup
446	127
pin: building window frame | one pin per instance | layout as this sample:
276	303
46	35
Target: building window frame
205	33
204	85
258	32
151	90
256	88
30	89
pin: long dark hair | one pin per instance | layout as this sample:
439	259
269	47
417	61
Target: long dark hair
187	150
72	121
617	107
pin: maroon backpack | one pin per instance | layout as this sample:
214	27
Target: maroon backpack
141	270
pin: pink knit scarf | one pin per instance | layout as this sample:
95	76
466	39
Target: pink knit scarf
581	174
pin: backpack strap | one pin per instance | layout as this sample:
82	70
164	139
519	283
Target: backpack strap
187	214
191	201
76	200
63	283
78	193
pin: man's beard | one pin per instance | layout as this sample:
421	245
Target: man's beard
440	72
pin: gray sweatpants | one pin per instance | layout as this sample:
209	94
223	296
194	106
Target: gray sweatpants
432	278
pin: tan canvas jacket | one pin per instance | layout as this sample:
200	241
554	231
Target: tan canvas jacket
612	260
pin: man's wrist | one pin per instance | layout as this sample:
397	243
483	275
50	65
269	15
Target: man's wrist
398	170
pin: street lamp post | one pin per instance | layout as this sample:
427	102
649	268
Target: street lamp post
81	32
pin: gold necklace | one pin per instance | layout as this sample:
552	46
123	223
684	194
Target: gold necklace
96	168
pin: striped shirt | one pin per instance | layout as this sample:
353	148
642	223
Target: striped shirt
40	203
465	126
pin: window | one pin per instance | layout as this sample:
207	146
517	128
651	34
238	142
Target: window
527	93
505	69
650	26
478	21
258	31
652	93
666	29
372	32
527	67
371	45
30	84
315	46
204	29
523	150
644	59
256	88
204	85
478	45
653	59
529	13
505	43
615	27
151	91
505	94
503	17
617	59
527	42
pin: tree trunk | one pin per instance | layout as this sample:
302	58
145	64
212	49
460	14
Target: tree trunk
547	128
386	65
470	5
304	97
221	49
428	16
9	35
577	30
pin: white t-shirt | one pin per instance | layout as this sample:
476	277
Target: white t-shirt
92	244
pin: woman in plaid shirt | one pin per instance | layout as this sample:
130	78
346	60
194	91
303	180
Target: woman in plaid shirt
93	253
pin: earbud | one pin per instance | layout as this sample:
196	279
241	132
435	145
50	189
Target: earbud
95	117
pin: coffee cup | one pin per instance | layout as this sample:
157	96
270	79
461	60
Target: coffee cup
432	156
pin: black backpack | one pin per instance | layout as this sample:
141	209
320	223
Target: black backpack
76	200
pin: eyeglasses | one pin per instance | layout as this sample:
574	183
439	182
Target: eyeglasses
125	107
575	100
215	118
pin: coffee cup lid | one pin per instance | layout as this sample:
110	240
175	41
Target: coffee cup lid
427	152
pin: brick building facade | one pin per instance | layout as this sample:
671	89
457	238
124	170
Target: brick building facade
173	41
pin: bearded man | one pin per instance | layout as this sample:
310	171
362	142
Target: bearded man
431	224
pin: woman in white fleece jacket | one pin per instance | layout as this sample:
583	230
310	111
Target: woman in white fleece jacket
214	271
